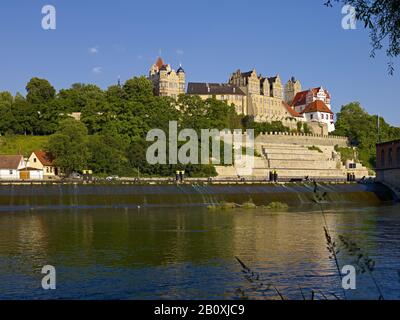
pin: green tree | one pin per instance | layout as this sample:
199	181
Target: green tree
7	120
69	146
362	129
39	91
80	96
138	89
108	153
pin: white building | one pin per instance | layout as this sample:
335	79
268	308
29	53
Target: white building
318	111
44	161
304	98
315	106
10	166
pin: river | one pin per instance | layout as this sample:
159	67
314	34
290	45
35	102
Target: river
120	243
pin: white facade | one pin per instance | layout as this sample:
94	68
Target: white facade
11	172
323	117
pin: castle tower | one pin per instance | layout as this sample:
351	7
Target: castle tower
167	82
182	80
276	88
292	87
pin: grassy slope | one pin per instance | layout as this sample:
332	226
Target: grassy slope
24	145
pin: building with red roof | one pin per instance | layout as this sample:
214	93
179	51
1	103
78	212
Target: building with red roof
318	111
43	160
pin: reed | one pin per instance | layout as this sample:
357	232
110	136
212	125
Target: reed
363	263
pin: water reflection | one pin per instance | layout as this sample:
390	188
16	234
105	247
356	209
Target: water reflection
188	252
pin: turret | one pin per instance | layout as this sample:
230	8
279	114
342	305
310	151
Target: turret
292	87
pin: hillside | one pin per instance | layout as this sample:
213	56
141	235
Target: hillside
25	145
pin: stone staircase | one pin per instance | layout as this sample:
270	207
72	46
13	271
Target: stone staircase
297	161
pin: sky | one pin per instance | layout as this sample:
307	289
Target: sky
99	41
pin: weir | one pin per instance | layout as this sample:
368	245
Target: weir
53	197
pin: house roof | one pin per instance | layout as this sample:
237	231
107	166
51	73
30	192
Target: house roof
292	112
213	88
300	98
246	74
10	162
44	157
317	106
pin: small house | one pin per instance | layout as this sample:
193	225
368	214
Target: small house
43	160
10	166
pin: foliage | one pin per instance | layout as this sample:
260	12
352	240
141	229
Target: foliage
263	127
362	129
111	137
346	153
70	146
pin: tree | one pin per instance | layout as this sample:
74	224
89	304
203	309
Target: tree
361	128
138	89
7	120
25	117
107	150
69	146
80	96
39	91
382	18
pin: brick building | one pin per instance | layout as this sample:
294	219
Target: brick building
388	163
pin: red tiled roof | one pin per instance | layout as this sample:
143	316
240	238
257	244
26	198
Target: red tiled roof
10	162
301	97
317	106
45	158
292	112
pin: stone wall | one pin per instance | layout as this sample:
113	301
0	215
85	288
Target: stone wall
302	139
390	176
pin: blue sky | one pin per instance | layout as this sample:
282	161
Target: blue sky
97	41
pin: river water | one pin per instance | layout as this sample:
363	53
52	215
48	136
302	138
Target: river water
133	250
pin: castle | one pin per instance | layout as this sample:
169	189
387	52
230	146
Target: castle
264	98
